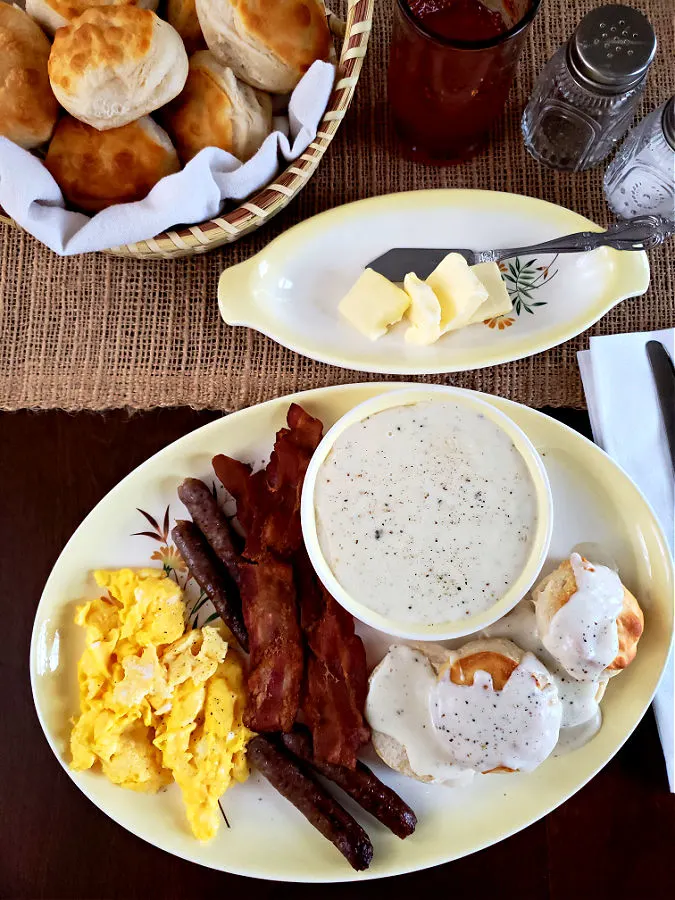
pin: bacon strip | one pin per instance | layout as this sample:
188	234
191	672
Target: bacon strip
293	449
275	642
268	509
249	491
268	502
336	683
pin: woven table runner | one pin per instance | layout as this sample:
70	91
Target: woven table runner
97	332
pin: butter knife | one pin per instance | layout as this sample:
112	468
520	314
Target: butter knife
663	371
640	233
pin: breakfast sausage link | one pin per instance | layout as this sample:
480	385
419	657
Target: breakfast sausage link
204	569
360	783
211	521
316	804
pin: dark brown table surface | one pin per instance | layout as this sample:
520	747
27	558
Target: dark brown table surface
614	839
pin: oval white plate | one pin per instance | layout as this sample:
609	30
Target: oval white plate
290	290
593	501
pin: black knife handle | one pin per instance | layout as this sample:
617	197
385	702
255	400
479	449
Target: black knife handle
663	371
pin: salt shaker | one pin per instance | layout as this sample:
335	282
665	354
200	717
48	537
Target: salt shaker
640	180
586	95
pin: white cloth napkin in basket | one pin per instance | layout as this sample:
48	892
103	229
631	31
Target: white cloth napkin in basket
29	194
626	420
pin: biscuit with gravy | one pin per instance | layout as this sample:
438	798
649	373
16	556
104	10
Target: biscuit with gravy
392	752
580	648
496	656
497	659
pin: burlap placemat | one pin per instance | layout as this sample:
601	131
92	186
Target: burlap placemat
98	332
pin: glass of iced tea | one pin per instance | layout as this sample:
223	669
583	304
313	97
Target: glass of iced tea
451	66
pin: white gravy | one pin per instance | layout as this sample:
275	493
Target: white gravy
449	729
581	716
398	704
582	635
598	553
425	512
577	735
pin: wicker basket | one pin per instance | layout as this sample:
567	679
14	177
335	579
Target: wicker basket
268	202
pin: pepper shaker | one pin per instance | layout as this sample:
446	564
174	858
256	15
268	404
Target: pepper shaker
586	96
641	178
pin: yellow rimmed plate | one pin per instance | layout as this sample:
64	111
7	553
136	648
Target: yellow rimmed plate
594	501
290	290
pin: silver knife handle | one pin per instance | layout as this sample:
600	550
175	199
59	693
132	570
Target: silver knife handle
640	233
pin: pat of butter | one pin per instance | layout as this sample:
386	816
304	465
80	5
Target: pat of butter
424	312
373	304
460	292
498	302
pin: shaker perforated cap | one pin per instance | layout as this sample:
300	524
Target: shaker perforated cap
612	48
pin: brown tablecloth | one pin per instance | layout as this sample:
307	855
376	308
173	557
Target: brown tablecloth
97	332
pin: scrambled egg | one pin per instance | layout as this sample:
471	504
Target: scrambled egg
159	704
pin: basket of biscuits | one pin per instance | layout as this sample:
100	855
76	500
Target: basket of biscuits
159	133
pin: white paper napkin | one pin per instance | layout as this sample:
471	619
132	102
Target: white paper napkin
626	420
30	195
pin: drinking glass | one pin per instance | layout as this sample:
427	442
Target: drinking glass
445	94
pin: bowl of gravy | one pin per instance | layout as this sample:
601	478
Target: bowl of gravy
427	513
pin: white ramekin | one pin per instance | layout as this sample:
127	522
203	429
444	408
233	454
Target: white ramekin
540	543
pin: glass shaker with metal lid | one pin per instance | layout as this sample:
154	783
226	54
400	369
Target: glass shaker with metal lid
640	180
586	95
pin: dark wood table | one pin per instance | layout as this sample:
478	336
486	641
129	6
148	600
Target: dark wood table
614	839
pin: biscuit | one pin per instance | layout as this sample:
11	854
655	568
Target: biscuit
268	45
96	169
182	14
114	64
216	110
554	591
495	656
53	14
28	107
